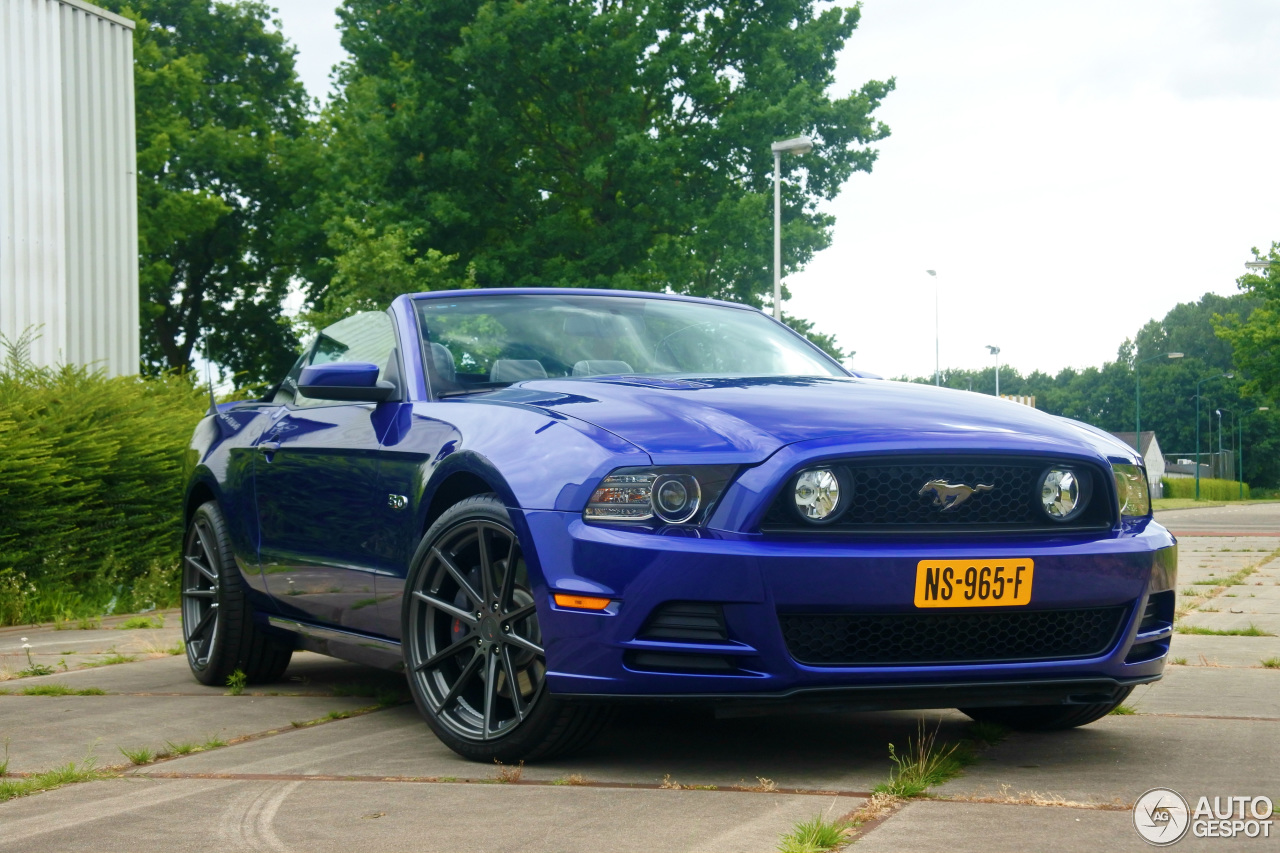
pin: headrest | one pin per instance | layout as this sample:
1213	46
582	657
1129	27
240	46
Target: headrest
516	369
601	367
445	368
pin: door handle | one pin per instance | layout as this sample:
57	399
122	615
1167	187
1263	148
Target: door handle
268	446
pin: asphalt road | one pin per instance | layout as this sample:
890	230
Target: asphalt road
1241	520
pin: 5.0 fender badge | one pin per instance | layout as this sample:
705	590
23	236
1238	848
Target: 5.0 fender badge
397	501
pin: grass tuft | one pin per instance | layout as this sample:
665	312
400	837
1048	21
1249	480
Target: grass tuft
236	682
924	763
1123	710
508	775
133	622
816	835
61	690
111	660
572	779
1178	661
141	755
50	779
1252	631
1271	662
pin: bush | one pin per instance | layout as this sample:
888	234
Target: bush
1210	490
90	487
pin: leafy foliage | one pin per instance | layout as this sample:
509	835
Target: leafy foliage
90	484
1211	489
617	145
1105	396
1256	338
225	151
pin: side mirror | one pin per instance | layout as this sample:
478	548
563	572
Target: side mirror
355	381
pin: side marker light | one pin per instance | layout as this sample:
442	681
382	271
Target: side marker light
581	602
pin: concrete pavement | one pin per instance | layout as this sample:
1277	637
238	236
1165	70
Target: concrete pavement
380	781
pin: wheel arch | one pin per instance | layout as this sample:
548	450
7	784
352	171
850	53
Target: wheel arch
460	476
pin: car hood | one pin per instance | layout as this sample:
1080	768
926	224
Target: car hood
747	419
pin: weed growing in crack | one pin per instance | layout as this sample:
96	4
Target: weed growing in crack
508	775
924	763
141	755
236	682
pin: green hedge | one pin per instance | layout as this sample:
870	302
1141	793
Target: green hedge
1210	490
90	488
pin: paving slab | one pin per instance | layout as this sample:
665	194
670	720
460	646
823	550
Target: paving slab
999	828
836	752
308	674
351	817
1119	757
1201	650
1225	620
47	731
1212	691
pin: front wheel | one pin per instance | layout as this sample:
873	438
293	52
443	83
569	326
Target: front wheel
1046	718
217	619
473	646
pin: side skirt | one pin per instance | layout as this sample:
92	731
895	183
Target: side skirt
345	645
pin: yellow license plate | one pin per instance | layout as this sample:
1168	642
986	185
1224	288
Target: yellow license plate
974	583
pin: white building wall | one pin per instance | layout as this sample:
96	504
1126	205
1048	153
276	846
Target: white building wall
68	197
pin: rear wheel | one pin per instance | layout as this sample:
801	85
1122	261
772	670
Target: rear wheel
473	645
1046	718
217	620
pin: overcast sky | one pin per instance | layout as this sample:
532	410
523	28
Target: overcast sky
1070	169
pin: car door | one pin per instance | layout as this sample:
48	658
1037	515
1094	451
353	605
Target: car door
316	484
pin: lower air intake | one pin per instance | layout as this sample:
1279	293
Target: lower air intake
920	639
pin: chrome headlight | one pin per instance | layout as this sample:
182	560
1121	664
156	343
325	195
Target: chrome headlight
665	495
1064	493
1132	490
819	495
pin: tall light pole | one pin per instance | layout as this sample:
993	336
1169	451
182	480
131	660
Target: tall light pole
1198	384
1219	414
798	145
1233	429
996	352
937	362
1137	401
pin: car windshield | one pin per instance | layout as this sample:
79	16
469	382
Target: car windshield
487	341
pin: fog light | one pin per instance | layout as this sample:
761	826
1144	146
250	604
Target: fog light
817	494
1062	493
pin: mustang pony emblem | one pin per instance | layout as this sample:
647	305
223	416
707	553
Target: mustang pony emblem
951	495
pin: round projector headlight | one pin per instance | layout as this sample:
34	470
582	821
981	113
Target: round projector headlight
676	497
1063	493
817	495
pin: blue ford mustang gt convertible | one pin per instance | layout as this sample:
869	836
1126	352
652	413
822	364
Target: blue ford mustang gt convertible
538	503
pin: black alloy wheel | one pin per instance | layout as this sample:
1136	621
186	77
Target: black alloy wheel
473	646
217	620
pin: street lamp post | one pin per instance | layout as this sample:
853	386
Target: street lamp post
1233	429
996	352
1198	384
1218	412
798	145
1137	402
937	362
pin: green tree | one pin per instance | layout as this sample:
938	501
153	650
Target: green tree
1105	396
595	144
1255	338
224	149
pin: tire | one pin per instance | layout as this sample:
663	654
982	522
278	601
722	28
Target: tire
1046	718
470	632
217	620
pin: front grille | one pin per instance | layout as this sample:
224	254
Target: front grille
919	639
884	497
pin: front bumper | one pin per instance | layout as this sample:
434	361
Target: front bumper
753	579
